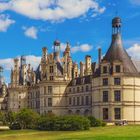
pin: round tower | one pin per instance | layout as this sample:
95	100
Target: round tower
116	25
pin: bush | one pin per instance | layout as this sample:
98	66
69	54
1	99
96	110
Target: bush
15	126
95	122
63	123
27	118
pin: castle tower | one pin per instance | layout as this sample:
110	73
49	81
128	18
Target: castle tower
116	52
23	70
1	76
82	69
87	65
43	63
44	55
57	50
66	58
15	73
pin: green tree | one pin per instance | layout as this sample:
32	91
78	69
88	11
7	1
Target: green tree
10	117
27	118
2	119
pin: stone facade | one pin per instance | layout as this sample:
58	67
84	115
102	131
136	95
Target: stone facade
108	90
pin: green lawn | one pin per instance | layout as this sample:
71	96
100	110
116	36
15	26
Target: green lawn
101	133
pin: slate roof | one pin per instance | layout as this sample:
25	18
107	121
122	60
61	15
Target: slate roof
117	52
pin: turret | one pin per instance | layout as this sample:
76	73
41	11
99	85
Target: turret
82	69
116	52
99	55
44	55
1	76
23	70
116	25
15	73
75	70
57	50
87	65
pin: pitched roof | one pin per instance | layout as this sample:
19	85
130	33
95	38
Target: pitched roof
117	52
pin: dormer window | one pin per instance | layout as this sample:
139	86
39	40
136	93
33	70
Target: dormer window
117	68
74	82
104	69
83	80
51	69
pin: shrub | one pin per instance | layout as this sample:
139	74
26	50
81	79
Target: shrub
96	122
27	118
15	126
63	123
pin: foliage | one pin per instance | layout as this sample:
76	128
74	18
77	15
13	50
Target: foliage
15	126
10	117
27	118
63	123
2	119
95	122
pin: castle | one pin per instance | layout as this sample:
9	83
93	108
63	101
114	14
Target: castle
108	90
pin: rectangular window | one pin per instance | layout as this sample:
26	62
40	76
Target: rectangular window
44	102
50	102
70	90
82	100
117	95
78	101
51	69
69	101
87	88
105	81
51	78
105	96
117	81
73	90
82	89
49	89
117	113
78	89
104	69
44	90
87	100
118	68
73	100
105	113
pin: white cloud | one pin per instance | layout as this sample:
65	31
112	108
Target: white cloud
81	48
33	60
134	51
52	10
78	48
31	32
5	22
135	2
8	63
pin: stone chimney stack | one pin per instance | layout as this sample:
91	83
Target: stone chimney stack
99	55
87	65
82	69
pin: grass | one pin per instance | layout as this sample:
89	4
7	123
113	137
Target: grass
100	133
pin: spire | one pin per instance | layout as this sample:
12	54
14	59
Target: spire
116	50
57	50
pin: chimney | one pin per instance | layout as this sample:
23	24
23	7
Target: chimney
99	55
44	54
82	69
88	65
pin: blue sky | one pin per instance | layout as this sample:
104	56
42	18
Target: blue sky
28	25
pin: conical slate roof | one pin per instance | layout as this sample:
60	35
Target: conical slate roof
117	52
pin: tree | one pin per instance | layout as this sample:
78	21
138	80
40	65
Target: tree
10	117
27	118
2	119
